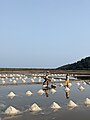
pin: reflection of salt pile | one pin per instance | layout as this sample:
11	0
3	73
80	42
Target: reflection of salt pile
67	89
11	110
53	91
35	108
87	101
81	88
40	92
69	84
28	93
72	104
11	94
55	105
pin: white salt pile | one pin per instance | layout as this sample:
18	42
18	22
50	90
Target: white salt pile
23	81
39	80
67	89
29	93
81	88
11	94
78	83
35	108
84	83
53	91
69	84
87	101
71	104
32	80
61	85
54	105
11	111
3	81
14	81
40	92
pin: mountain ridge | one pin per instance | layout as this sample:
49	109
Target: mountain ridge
83	64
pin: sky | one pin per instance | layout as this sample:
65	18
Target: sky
43	33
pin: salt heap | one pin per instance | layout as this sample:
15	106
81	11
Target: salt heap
35	108
84	83
32	80
23	81
3	81
69	84
28	93
11	111
40	92
53	91
72	104
14	81
78	83
54	105
61	84
81	88
87	101
67	89
11	94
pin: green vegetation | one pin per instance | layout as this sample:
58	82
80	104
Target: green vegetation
83	64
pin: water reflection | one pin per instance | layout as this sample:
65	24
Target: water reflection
47	92
67	94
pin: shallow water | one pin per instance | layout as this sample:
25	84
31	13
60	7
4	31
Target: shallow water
23	102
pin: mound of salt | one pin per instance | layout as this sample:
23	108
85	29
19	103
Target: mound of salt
11	94
67	89
69	84
72	104
54	105
11	111
32	80
35	108
53	91
23	81
78	83
84	83
28	93
40	92
3	81
81	88
87	101
14	81
61	84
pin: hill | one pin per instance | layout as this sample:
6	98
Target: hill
83	64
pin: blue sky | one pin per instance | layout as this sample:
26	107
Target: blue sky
43	33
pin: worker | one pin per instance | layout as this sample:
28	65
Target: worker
67	80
